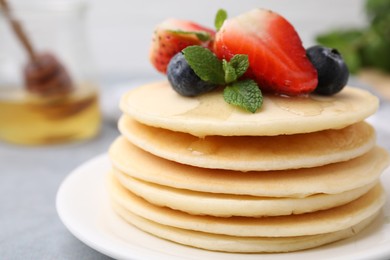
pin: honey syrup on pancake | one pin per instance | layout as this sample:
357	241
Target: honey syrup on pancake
210	106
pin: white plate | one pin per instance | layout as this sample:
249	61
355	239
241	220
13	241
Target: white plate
83	206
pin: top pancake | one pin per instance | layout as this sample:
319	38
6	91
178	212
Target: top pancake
157	105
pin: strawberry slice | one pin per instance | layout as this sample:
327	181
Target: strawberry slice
277	59
172	36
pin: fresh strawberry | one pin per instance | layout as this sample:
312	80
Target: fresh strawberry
277	59
172	36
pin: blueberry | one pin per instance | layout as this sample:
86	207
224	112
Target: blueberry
332	71
183	78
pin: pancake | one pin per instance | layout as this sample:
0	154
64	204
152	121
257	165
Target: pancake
314	223
234	244
224	205
330	179
299	173
248	153
158	105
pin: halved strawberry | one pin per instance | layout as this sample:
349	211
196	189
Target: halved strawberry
277	59
172	36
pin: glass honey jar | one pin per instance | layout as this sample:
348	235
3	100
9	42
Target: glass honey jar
48	90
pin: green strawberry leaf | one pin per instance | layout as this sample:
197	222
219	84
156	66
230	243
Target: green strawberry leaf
245	94
220	17
205	64
201	35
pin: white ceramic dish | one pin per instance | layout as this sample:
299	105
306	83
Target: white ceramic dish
83	206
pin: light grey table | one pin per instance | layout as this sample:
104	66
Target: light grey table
29	180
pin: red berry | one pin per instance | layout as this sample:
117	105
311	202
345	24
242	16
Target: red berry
168	40
277	59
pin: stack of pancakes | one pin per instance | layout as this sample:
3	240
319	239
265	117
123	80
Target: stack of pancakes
299	173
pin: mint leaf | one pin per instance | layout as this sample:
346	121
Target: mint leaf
230	72
235	68
205	64
240	63
201	35
220	17
245	94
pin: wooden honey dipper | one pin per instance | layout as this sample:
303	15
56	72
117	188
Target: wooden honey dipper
43	73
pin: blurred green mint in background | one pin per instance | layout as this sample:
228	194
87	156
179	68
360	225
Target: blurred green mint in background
364	47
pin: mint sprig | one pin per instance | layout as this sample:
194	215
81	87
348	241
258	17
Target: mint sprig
242	93
235	68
